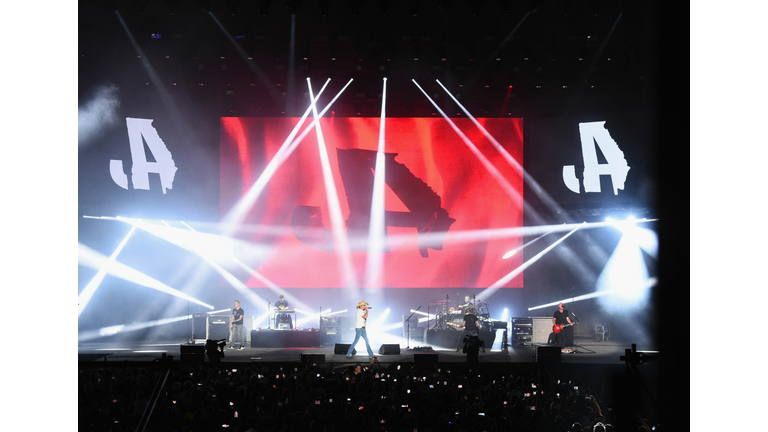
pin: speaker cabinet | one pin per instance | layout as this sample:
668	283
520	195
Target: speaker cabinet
548	354
542	327
312	357
199	326
425	358
218	327
388	349
329	339
342	348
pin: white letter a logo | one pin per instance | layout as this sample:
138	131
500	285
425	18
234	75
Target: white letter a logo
140	131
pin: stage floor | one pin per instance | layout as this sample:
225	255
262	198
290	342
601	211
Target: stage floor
584	351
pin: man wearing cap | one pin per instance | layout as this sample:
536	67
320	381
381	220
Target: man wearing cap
362	318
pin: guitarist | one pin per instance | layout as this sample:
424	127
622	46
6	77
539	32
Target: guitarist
562	320
470	326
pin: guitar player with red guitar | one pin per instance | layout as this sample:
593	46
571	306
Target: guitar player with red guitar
561	321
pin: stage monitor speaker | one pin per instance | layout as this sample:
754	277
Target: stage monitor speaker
312	357
192	353
387	349
425	358
548	354
342	348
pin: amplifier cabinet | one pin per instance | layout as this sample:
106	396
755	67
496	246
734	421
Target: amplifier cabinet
218	327
542	327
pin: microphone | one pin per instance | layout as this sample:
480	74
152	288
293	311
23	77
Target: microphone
370	307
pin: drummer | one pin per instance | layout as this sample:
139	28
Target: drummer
464	307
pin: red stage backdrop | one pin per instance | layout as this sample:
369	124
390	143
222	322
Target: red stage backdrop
435	183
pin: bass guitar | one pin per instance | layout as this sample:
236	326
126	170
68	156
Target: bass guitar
558	328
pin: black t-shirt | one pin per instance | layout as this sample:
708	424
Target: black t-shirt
561	317
238	314
471	322
281	303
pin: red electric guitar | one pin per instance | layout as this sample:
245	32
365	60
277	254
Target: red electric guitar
558	328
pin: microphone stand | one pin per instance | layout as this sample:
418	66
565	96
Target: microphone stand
269	311
576	321
408	322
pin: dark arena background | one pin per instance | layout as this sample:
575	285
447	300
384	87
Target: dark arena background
408	154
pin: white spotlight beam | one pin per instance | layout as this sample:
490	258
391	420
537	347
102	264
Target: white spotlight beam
311	317
377	229
90	289
190	240
392	326
261	318
341	244
165	95
125	328
514	251
333	313
236	215
513	194
570	258
251	64
651	282
90	258
381	318
241	208
511	275
418	312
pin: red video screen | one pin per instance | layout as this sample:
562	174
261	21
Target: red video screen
450	199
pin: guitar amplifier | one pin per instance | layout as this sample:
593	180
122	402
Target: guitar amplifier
542	327
218	327
333	321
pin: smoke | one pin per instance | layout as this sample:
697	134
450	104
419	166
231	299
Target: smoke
97	114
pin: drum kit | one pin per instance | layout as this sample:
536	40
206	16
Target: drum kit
452	317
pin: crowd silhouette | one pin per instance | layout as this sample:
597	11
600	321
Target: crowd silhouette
179	396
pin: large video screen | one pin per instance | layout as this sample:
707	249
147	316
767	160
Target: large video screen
450	195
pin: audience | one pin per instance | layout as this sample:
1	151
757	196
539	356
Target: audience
327	397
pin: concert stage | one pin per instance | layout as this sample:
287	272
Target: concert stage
583	352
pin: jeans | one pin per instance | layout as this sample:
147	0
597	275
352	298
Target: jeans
360	332
236	332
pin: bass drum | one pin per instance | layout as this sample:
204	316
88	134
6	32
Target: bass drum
457	321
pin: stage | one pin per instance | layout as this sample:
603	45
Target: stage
584	351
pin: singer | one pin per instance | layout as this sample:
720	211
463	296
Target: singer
362	319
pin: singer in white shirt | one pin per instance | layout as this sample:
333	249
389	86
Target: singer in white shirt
362	318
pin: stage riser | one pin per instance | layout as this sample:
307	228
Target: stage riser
453	339
285	339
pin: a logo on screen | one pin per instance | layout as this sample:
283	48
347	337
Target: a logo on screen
595	133
437	220
141	131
